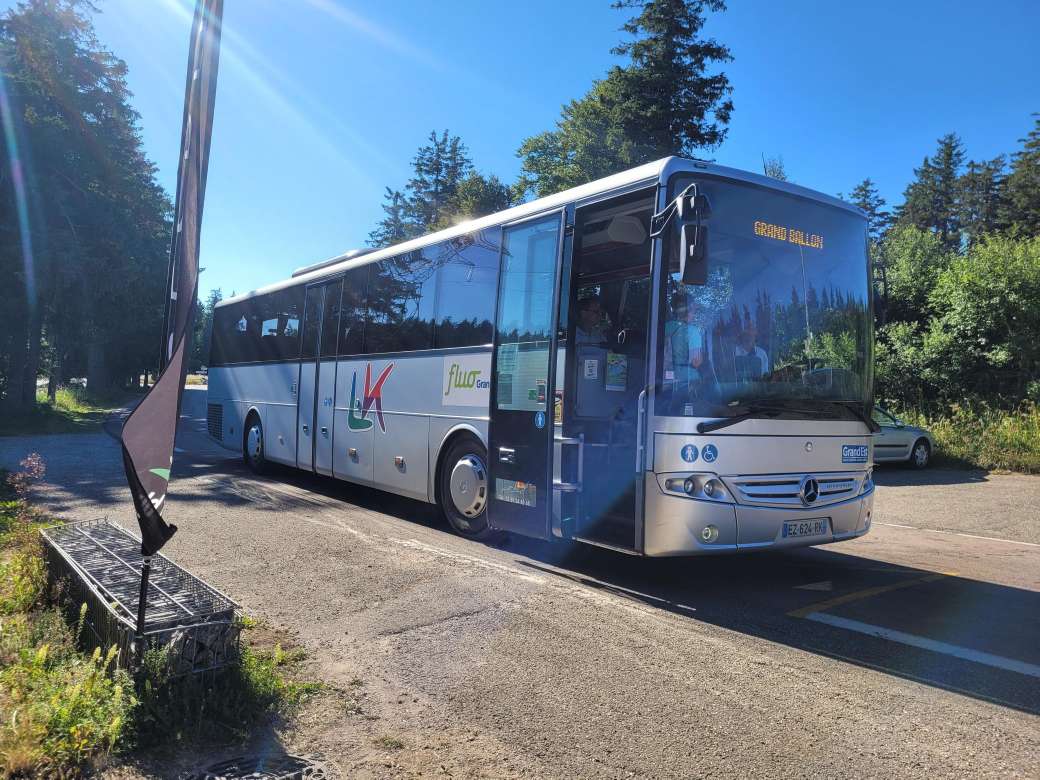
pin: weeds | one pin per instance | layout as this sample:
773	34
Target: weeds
65	709
74	410
984	437
389	743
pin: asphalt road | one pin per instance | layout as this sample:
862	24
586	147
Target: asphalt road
911	652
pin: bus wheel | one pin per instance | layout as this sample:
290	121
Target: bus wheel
463	488
253	445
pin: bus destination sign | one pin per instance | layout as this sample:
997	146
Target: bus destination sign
792	235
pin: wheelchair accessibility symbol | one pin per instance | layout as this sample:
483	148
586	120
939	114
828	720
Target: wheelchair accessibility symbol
710	453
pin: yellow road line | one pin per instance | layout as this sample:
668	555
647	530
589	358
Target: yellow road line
859	595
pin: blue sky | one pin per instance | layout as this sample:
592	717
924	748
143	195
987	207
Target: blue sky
322	103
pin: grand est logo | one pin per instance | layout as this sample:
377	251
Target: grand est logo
358	416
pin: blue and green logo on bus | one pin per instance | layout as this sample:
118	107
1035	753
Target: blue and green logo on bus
357	417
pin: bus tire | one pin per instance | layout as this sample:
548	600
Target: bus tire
253	445
462	487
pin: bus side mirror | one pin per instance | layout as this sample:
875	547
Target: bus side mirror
693	253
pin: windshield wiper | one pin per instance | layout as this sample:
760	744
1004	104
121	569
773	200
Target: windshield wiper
755	410
859	414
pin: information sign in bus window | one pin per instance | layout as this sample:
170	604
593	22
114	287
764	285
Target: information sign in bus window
792	235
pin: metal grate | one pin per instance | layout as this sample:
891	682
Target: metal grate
280	766
101	563
215	420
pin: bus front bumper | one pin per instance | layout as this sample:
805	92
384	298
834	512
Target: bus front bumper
680	526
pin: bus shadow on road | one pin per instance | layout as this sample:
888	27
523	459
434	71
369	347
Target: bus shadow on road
974	638
961	635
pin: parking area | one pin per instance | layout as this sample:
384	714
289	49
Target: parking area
913	651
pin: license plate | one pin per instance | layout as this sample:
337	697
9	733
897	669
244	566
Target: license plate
798	529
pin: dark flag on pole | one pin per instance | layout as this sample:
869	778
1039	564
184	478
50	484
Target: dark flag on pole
149	432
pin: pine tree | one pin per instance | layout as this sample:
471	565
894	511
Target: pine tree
1022	206
663	102
439	167
866	196
476	196
932	200
394	227
981	197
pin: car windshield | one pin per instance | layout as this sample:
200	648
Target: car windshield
784	319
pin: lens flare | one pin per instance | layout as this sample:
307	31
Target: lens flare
18	175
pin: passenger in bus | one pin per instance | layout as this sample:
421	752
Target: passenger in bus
590	321
684	341
751	361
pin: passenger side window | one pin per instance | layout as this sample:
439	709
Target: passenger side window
330	323
466	289
278	317
400	304
352	311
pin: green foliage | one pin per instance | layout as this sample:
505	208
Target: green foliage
932	199
984	437
84	245
662	102
913	260
444	189
1022	204
229	704
62	708
74	410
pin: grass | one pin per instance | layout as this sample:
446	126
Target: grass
984	437
389	743
66	707
74	410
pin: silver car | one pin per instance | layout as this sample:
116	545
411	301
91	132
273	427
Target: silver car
897	441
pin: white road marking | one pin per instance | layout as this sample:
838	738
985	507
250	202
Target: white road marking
964	653
957	533
822	585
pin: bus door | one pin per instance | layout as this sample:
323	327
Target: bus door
523	370
316	400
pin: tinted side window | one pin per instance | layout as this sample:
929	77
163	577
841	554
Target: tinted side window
312	322
236	334
352	311
278	315
330	328
400	304
467	285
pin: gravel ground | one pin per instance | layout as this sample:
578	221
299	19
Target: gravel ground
537	660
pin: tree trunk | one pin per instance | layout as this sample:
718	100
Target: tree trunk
54	375
15	401
97	371
32	362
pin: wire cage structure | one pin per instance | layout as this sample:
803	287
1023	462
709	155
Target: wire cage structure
98	563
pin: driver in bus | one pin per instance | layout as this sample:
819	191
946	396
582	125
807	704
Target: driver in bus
590	321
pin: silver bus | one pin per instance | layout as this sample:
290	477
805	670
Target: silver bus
674	360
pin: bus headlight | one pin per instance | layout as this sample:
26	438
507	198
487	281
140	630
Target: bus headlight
704	487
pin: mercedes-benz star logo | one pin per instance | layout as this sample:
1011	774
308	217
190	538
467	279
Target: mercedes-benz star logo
810	490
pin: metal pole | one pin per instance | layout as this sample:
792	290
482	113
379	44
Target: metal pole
142	601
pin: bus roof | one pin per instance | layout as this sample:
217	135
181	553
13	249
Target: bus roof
648	174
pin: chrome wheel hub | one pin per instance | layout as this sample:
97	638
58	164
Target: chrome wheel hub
255	442
469	486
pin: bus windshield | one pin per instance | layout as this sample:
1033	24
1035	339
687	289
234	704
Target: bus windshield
784	321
